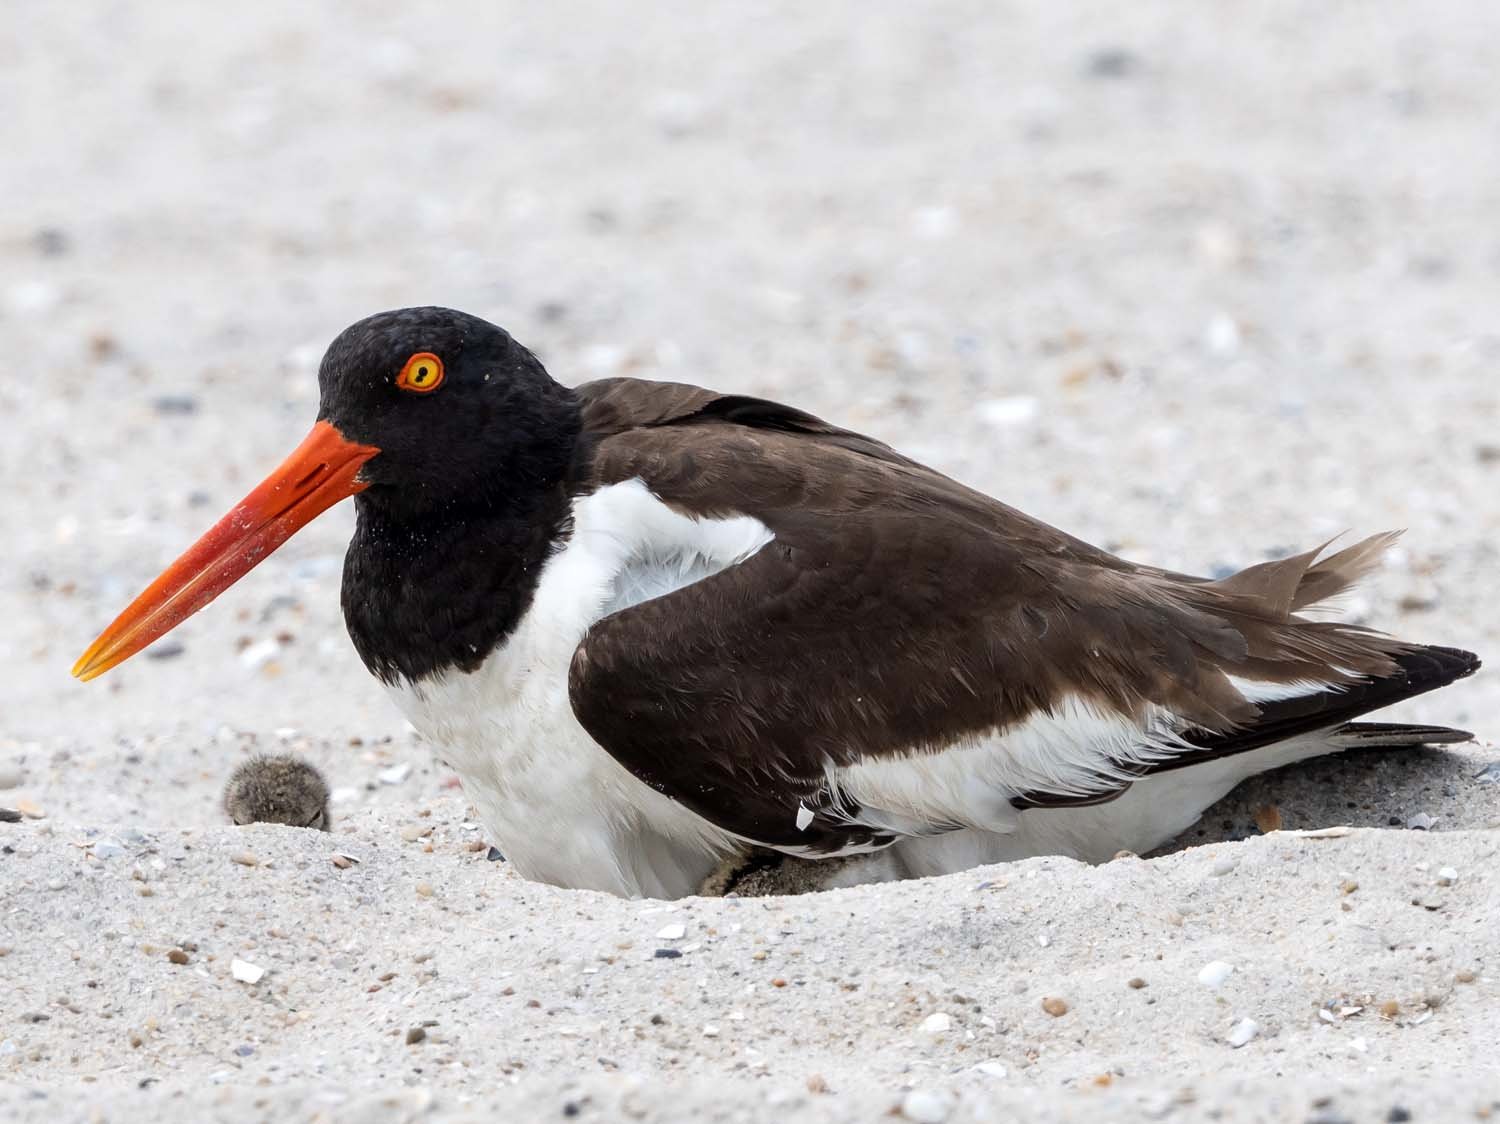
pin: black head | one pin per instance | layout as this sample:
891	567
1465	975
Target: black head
457	447
461	413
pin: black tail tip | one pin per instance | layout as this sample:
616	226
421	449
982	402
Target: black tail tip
1432	665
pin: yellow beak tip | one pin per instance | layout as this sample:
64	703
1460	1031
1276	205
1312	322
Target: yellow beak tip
84	669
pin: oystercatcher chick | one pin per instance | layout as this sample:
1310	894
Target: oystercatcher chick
277	788
650	624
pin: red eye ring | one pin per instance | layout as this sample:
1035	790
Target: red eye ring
422	374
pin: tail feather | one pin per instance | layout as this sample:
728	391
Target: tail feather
1419	669
1340	572
1394	735
1274	590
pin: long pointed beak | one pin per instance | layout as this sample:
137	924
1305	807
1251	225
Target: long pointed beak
323	470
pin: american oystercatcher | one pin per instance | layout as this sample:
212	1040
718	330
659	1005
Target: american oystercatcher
650	624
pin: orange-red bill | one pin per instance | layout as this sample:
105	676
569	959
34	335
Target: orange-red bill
322	471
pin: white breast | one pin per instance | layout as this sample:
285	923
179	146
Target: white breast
560	808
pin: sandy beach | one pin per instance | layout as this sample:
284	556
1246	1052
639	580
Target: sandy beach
1200	291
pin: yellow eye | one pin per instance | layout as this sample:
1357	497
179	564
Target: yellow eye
423	373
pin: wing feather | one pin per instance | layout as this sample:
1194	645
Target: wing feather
900	618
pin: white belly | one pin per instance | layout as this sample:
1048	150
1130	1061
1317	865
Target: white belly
559	807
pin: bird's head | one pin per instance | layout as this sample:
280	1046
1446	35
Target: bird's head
454	411
422	411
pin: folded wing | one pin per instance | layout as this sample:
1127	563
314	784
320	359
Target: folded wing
907	655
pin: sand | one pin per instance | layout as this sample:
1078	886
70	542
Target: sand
1201	292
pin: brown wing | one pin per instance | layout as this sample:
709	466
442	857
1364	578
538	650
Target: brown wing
897	613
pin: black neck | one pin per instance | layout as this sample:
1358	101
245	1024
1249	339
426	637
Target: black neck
440	591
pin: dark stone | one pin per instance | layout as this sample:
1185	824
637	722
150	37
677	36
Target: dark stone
1113	62
181	404
51	242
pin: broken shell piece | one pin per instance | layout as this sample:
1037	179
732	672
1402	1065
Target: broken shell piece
246	972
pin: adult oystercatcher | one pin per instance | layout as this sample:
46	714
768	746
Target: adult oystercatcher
649	624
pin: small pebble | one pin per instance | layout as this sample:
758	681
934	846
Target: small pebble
992	1069
710	1030
1002	413
29	810
817	1083
927	1106
415	1034
245	858
667	953
493	855
937	1024
412	832
182	404
1222	336
1112	62
10	815
1421	822
1137	983
244	1051
246	972
1214	973
1268	818
1490	774
1055	1007
1242	1032
424	890
55	884
671	932
257	655
1447	876
1465	976
1224	866
50	242
107	848
343	862
395	774
1390	1009
177	956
